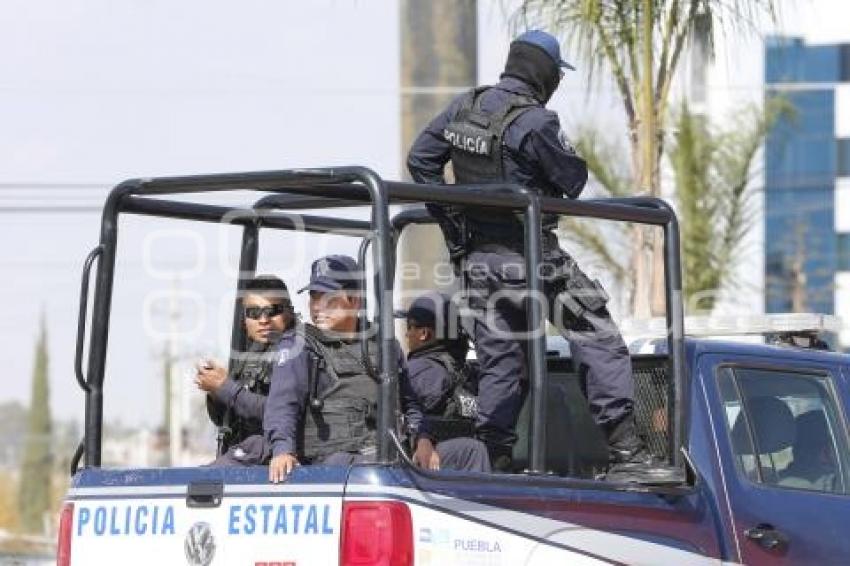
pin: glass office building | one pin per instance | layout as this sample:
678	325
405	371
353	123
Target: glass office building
805	161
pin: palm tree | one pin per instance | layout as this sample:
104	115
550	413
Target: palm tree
713	168
640	44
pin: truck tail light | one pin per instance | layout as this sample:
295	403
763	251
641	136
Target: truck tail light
376	533
66	524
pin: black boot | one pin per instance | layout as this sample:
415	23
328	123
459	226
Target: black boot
501	458
630	461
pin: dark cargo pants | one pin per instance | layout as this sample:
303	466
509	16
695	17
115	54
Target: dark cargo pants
497	321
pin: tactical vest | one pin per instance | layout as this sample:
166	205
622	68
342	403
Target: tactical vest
476	136
477	155
455	416
253	373
340	417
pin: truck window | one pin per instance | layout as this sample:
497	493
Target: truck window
786	428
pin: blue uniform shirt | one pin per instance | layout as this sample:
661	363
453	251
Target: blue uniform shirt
289	395
536	152
430	382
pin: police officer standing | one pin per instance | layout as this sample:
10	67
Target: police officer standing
503	133
323	399
235	403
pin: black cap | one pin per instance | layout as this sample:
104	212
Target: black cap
333	273
423	311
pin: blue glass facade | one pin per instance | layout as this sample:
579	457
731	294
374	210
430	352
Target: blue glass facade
802	160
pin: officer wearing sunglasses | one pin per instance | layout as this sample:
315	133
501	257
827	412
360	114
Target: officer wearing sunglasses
235	403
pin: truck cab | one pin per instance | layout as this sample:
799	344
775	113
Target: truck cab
757	432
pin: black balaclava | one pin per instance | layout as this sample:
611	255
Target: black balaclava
532	65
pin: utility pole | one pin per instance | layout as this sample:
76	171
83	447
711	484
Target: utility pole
172	421
439	60
173	393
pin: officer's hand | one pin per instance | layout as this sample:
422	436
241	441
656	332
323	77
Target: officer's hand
280	467
425	456
210	376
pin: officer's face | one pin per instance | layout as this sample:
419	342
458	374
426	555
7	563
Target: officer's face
263	316
418	336
336	312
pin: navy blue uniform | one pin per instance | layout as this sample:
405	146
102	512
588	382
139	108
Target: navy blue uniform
248	406
535	154
244	402
535	147
432	385
289	396
430	382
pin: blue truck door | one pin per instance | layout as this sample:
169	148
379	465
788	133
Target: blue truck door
781	430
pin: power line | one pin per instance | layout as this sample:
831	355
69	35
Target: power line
80	209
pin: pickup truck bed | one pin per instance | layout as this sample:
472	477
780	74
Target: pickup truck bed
731	510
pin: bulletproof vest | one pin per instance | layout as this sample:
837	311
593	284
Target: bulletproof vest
455	416
477	141
252	372
341	416
476	137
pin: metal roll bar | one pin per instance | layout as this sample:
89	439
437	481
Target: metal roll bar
300	189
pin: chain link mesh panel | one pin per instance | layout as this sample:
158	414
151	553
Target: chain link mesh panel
651	384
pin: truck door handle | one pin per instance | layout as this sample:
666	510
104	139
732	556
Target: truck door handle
767	537
204	494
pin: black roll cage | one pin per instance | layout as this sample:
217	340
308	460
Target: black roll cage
300	189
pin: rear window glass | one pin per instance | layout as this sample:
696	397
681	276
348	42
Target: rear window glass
786	428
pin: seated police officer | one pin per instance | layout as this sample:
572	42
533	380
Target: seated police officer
235	403
504	134
444	382
323	399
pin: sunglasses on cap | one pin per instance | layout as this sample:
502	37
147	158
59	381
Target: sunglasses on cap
256	313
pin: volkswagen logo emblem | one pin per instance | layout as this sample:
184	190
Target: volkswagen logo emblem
199	545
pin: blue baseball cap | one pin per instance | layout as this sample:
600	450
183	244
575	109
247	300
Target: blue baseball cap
547	43
333	273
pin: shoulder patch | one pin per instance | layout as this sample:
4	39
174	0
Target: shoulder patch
283	357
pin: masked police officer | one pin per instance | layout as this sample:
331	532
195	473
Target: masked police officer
235	404
323	399
444	382
503	133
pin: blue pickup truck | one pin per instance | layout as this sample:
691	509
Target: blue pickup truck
757	432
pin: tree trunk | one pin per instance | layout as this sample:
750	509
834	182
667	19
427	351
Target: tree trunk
648	297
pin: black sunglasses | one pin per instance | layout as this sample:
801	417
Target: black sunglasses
256	313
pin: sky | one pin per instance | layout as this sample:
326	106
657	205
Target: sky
95	92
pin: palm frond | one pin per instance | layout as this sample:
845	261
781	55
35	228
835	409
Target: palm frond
592	240
607	163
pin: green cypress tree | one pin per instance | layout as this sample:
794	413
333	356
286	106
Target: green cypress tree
34	500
